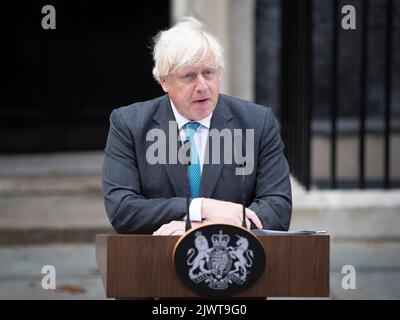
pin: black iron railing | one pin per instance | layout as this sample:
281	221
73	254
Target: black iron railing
296	56
297	85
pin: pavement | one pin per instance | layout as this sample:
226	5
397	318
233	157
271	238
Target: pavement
51	208
77	276
377	268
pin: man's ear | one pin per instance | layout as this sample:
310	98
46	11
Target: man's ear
163	83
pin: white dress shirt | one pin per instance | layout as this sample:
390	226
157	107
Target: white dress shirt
200	139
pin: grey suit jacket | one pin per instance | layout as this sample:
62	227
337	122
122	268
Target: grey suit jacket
140	197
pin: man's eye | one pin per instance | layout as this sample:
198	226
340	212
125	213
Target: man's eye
208	73
189	76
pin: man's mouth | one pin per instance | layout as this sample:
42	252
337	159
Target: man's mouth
201	100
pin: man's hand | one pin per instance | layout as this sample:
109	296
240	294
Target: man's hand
212	211
217	211
175	228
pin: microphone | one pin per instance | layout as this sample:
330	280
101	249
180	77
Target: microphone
188	224
243	165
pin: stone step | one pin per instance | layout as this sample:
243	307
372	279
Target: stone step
57	197
44	209
348	214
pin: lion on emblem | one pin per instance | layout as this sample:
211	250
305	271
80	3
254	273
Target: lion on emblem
202	257
243	261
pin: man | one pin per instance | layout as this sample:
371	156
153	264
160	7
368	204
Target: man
146	196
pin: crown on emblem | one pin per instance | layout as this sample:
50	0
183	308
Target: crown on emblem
220	240
198	234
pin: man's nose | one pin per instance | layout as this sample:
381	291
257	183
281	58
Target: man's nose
201	83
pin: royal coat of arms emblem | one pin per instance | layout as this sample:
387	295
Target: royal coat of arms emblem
220	259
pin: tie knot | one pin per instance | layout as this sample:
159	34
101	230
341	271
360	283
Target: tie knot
192	125
190	128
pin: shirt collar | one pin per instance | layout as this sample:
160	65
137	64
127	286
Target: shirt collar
181	120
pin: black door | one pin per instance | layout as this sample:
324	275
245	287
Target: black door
59	86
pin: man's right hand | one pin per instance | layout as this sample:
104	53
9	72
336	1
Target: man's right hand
217	211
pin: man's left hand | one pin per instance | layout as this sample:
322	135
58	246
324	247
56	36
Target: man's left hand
174	228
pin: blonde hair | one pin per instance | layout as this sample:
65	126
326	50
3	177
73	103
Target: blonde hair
185	43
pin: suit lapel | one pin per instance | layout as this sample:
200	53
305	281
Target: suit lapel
211	172
176	172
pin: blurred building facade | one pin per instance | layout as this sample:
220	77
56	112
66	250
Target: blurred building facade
288	55
292	56
59	87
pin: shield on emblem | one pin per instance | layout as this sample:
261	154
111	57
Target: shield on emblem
219	259
220	262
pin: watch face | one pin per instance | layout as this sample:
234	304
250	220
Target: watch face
219	259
